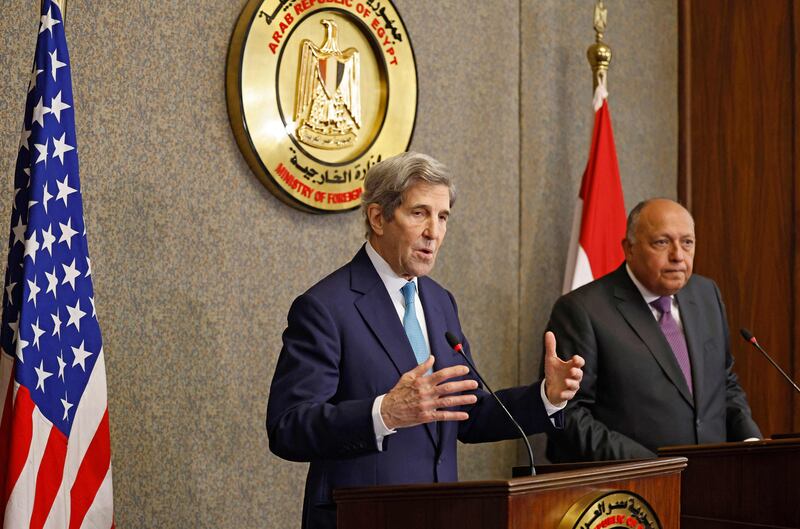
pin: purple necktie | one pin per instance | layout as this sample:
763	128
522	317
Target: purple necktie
674	335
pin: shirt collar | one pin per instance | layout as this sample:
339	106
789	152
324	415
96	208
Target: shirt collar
648	296
392	281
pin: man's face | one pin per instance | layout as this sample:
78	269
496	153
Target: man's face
410	241
662	256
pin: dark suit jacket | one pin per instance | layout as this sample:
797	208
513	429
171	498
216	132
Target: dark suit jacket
633	396
344	346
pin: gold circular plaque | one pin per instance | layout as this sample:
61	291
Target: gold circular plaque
618	509
318	92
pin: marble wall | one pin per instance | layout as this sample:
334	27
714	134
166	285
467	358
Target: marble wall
195	264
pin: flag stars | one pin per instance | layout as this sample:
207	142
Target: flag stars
41	375
31	247
81	355
42	148
94	311
46	197
64	190
70	274
61	365
67	406
21	344
52	282
56	106
55	64
34	290
15	327
37	333
88	261
19	231
48	239
34	74
75	315
67	233
60	148
23	139
9	290
56	322
48	22
39	112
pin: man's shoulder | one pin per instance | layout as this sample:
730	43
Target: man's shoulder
339	282
600	288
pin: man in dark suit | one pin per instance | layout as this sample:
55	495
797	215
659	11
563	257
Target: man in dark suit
655	339
366	387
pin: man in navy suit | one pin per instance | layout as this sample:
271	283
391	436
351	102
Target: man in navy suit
366	387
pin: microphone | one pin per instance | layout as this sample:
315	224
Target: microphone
455	343
748	336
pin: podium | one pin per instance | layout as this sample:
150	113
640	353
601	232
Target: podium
741	485
536	502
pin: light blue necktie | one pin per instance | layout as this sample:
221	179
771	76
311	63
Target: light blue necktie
411	324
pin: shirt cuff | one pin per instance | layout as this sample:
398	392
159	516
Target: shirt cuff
550	408
378	425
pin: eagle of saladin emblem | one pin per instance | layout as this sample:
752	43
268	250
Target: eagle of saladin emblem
318	92
328	109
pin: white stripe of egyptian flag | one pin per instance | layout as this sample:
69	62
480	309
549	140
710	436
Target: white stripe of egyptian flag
599	222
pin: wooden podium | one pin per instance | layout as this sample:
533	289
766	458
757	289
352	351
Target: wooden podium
519	503
740	485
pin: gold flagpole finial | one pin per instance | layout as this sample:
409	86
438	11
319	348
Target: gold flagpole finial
599	53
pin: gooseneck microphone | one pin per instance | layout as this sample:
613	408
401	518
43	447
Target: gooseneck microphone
455	343
748	336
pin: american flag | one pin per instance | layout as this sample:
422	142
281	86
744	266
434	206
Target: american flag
55	453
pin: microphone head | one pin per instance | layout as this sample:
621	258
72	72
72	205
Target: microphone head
747	335
454	342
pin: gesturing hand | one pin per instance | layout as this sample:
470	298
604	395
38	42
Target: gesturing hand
562	379
418	398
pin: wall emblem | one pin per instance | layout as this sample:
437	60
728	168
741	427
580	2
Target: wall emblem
619	509
318	91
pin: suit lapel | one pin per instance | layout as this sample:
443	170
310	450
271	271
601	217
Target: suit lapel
692	330
435	323
636	312
376	308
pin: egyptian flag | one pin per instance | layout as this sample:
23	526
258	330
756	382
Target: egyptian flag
599	223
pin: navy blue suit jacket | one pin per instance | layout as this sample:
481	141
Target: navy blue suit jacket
345	345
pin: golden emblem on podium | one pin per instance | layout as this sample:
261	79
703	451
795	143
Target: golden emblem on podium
615	509
317	93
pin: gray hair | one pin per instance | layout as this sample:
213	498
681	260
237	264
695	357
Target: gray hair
387	180
636	212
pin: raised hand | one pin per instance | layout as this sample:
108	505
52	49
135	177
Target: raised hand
418	398
562	379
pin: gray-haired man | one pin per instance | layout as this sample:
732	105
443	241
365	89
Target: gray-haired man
366	387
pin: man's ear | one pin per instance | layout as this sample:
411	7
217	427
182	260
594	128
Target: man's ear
626	248
375	217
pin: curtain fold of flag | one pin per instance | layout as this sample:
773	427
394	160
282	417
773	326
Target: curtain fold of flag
55	453
599	223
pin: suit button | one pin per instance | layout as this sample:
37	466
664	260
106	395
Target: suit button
698	422
440	461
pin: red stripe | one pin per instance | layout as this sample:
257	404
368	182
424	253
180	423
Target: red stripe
91	473
22	427
5	437
48	479
603	219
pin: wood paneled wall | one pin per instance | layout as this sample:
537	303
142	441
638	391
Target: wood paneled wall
738	158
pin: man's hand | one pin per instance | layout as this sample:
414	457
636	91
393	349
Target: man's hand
418	398
562	379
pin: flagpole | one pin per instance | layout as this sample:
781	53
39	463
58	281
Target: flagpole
599	53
